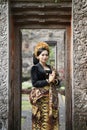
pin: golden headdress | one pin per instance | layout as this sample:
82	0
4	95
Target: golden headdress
41	45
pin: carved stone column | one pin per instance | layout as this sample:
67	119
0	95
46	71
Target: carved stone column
4	64
80	64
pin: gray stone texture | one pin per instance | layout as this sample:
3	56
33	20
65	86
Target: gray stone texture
80	64
3	65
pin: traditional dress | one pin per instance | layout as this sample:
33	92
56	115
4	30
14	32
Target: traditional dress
45	100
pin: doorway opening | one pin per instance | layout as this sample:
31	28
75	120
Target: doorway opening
56	40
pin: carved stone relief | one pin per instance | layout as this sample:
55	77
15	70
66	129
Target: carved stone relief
3	65
80	64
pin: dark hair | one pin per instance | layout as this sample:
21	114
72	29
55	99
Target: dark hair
41	50
35	60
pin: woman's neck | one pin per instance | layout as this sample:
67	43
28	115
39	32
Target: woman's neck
43	64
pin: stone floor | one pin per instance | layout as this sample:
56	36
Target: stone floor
61	112
27	124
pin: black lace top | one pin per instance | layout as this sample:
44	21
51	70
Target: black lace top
39	75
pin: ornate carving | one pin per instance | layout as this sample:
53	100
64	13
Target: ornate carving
80	64
3	64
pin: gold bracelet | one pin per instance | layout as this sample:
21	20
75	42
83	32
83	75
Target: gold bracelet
56	81
47	80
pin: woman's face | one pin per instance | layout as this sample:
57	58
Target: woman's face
43	57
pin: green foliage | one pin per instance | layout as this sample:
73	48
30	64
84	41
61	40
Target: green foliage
51	60
52	52
26	85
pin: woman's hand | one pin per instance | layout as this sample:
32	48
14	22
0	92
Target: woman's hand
52	76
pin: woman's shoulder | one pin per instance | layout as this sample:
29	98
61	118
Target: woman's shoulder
34	67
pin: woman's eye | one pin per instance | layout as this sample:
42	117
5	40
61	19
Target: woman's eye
44	54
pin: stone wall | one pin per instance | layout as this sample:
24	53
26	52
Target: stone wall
3	65
80	64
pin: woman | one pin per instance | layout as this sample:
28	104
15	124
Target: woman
45	103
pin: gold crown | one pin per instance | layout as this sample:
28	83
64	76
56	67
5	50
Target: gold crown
41	45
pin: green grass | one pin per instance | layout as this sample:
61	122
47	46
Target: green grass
25	102
25	97
26	85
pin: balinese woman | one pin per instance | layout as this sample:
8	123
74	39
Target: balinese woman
44	93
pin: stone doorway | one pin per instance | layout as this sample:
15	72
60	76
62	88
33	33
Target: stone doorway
17	25
9	62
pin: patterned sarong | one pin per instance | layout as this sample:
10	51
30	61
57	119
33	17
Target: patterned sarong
45	110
